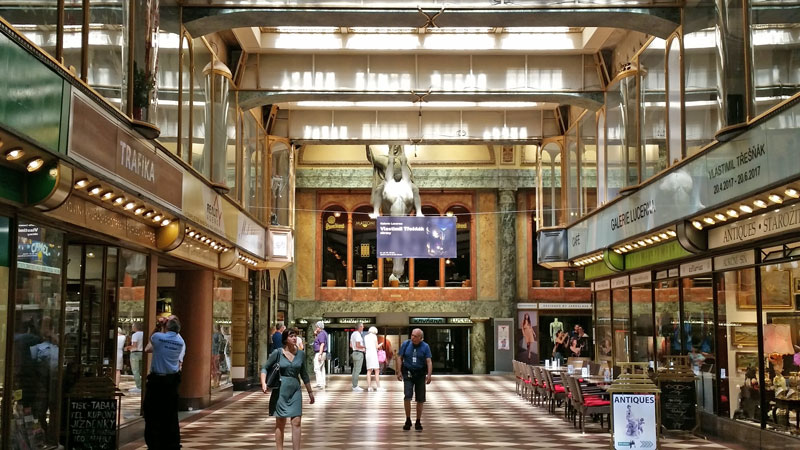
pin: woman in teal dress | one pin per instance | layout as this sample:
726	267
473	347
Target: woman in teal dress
289	398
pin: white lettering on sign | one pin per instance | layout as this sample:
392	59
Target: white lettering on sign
743	158
565	306
696	267
774	222
734	260
136	162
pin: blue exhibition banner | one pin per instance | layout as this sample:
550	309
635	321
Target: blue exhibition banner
416	237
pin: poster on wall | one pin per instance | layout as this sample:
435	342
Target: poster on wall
416	237
503	342
635	423
527	336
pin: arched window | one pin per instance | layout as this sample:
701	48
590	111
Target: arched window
334	247
365	254
457	270
426	270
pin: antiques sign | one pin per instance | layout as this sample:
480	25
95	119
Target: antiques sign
635	423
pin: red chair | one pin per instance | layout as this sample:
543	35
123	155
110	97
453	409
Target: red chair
589	405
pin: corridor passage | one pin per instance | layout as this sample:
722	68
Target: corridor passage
463	412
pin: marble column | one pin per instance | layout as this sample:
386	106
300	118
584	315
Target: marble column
194	306
507	251
477	344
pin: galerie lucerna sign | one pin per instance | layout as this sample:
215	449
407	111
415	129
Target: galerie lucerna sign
635	423
761	156
416	237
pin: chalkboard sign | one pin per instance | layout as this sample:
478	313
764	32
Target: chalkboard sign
678	405
92	424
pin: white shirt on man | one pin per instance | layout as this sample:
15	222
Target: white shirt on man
137	341
357	338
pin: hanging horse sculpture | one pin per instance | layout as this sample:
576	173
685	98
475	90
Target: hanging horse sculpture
393	191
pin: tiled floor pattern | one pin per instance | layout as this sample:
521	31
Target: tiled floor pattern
463	412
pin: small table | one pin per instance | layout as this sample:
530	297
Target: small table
789	405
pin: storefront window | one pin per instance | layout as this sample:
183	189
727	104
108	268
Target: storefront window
426	270
698	324
5	264
642	331
280	183
133	280
653	111
668	334
621	309
457	270
221	333
603	321
739	391
365	241
37	327
252	164
587	148
334	247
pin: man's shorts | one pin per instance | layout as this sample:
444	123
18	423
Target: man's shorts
414	385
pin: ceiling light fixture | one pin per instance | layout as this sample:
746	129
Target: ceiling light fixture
745	209
149	214
697	225
119	200
94	190
663	236
82	183
129	206
709	220
732	212
671	233
107	195
775	198
139	210
165	222
721	217
656	239
760	203
157	218
791	193
14	154
34	164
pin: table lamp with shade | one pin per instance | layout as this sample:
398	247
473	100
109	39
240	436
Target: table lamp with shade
777	342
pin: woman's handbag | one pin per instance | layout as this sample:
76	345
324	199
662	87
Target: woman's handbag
381	356
274	375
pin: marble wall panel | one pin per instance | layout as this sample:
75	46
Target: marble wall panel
486	236
305	248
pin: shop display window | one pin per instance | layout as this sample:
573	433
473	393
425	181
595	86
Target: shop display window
603	326
334	247
365	252
698	332
457	270
642	330
426	270
37	329
221	333
621	323
281	188
737	334
131	321
668	334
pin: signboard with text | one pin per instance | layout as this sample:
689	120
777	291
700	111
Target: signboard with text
417	237
635	424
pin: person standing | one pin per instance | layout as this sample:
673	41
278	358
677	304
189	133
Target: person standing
414	368
121	339
136	348
357	345
161	428
373	366
289	404
276	336
320	352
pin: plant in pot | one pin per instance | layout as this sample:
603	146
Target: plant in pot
143	85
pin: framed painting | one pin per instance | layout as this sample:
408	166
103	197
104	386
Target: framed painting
744	335
776	289
745	360
796	285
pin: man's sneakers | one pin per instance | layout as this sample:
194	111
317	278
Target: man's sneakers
407	425
358	389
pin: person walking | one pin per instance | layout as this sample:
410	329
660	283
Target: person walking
161	428
121	339
414	368
136	348
320	352
357	345
290	398
276	336
373	366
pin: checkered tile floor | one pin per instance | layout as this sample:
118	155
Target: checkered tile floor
463	412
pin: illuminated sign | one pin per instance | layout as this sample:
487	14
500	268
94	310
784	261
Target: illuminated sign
427	321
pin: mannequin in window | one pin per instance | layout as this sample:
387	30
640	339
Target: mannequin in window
555	327
528	333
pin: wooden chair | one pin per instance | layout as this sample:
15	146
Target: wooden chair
539	385
590	405
555	391
422	283
331	283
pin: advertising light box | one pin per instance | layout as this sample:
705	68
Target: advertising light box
417	237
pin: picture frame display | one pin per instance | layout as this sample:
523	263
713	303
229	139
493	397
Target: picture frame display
745	360
744	335
776	291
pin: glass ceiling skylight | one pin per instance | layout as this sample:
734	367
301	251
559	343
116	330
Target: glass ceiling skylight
412	30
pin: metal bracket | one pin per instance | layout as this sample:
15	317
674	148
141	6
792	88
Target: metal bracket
430	20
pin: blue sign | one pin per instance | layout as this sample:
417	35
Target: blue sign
417	237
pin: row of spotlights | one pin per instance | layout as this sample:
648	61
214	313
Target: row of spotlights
733	213
121	201
206	240
247	260
589	260
32	165
644	242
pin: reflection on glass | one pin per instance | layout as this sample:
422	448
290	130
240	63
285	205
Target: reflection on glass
37	328
736	331
457	270
186	99
280	183
5	264
107	64
702	98
365	241
221	333
587	149
698	323
653	111
132	284
168	77
621	323
602	194
674	102
549	190
251	164
603	321
668	334
642	330
334	248
201	58
571	144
